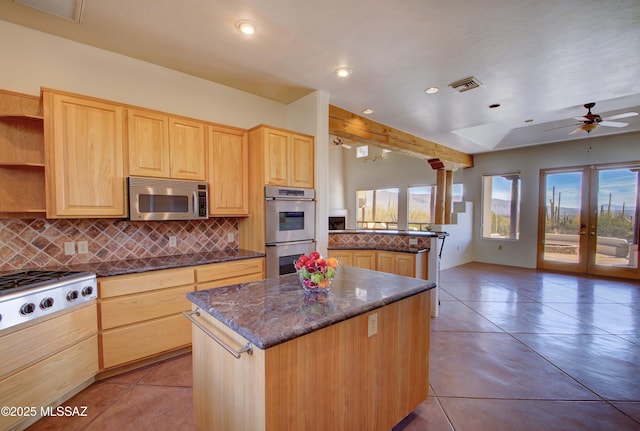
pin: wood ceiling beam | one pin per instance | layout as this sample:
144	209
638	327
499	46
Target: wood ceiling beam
348	125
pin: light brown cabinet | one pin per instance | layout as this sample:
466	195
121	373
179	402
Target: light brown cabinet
407	264
227	273
22	179
187	142
393	262
228	172
84	156
140	315
287	157
47	362
165	146
148	143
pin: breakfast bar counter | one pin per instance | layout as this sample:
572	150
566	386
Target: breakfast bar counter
354	358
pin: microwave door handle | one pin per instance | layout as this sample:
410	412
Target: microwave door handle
194	206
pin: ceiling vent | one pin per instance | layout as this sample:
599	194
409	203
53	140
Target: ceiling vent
465	84
69	9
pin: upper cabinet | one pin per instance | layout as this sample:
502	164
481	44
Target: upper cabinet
21	156
287	156
228	169
84	156
165	146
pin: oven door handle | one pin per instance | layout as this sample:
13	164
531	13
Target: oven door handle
280	244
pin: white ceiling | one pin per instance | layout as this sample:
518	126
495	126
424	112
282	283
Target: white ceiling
540	60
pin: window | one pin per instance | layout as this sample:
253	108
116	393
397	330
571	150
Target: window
501	206
421	203
378	209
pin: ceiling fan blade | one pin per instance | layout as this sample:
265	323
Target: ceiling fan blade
581	118
613	124
625	115
576	130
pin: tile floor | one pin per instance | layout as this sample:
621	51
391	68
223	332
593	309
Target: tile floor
512	349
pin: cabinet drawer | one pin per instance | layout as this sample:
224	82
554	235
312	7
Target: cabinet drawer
228	281
129	309
46	381
130	343
143	282
226	270
26	346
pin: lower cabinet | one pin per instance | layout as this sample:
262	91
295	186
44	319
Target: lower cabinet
46	363
394	262
140	315
226	273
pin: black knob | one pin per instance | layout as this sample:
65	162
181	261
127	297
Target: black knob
72	295
87	290
27	308
46	303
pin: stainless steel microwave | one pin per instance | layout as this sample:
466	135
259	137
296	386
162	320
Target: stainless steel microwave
165	199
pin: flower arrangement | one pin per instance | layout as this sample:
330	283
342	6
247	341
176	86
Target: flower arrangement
315	272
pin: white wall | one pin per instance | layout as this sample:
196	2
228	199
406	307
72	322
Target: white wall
310	115
32	59
529	161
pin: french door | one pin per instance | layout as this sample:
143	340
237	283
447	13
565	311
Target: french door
588	220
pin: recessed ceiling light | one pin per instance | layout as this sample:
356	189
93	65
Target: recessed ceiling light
495	105
432	90
367	111
343	72
245	27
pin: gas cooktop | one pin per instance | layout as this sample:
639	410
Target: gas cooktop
32	294
23	280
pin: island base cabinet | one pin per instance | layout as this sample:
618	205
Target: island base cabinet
335	378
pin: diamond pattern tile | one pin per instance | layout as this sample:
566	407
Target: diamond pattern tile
35	243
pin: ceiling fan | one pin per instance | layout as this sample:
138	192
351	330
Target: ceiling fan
590	121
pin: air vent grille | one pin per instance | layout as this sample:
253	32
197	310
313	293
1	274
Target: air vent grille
465	84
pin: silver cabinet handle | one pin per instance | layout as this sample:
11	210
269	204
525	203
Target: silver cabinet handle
248	348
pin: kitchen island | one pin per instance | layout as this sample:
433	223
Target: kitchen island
355	358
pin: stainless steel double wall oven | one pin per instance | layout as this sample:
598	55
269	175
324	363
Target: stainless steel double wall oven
290	227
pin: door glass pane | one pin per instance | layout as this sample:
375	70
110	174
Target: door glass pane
617	218
562	225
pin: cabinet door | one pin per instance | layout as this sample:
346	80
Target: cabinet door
364	259
301	161
84	157
187	149
228	173
276	154
148	143
405	264
386	262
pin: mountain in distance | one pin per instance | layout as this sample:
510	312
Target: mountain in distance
503	207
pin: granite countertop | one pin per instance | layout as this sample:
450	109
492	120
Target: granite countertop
399	249
130	266
272	311
417	233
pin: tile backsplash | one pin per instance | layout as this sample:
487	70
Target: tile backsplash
37	243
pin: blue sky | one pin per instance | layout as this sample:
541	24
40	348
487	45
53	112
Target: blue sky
621	183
